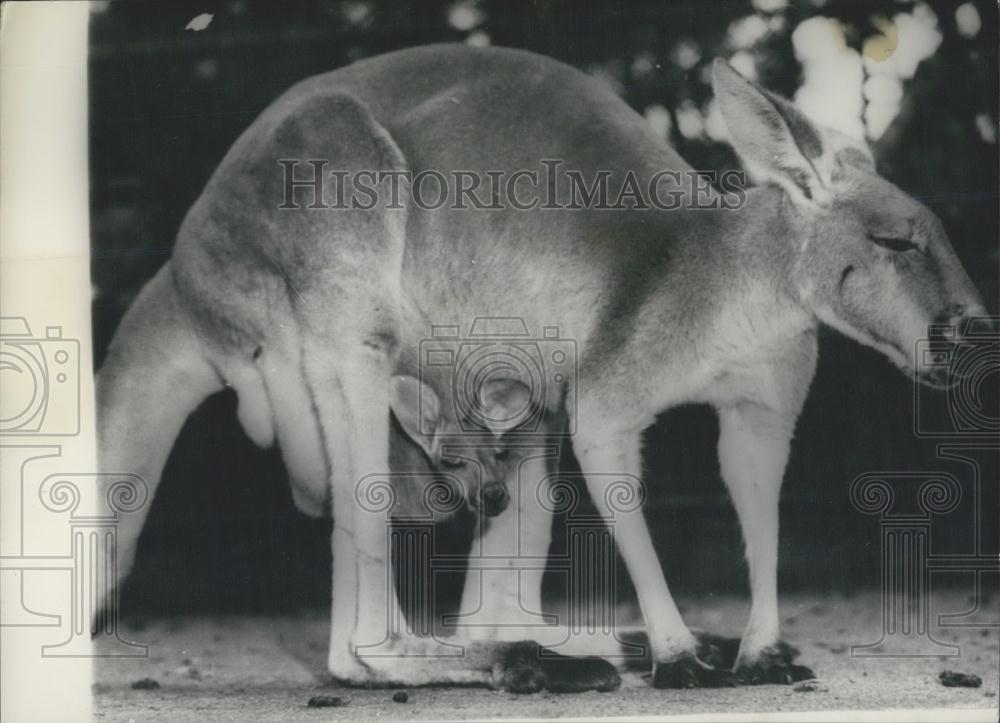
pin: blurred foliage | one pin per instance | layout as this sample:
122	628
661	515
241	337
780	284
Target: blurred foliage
167	102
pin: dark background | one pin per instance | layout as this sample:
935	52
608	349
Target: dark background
166	103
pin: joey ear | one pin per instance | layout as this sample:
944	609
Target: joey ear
776	141
418	411
504	403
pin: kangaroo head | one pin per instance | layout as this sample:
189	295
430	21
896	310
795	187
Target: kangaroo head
483	460
867	259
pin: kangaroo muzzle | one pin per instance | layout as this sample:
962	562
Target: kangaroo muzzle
494	499
955	345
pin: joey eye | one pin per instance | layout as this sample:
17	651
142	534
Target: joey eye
896	245
452	462
501	454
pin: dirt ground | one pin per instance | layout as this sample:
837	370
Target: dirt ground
267	668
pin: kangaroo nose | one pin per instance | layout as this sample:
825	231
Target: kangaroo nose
495	499
968	320
977	325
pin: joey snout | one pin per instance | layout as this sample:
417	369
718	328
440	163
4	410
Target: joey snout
494	499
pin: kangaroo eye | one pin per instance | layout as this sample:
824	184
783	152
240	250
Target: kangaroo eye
896	245
502	454
452	462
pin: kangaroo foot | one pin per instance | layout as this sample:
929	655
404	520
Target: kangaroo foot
526	667
690	672
347	672
772	665
717	650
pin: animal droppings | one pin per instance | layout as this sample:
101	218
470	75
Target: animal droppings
951	679
325	701
810	686
145	684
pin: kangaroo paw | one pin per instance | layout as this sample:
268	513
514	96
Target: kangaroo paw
526	667
352	676
564	674
773	665
716	650
518	669
690	672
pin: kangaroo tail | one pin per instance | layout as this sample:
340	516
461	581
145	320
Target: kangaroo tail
156	373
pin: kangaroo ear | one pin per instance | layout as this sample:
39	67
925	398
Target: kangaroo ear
418	411
503	404
776	141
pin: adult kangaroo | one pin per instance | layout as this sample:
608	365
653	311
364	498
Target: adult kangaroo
307	310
